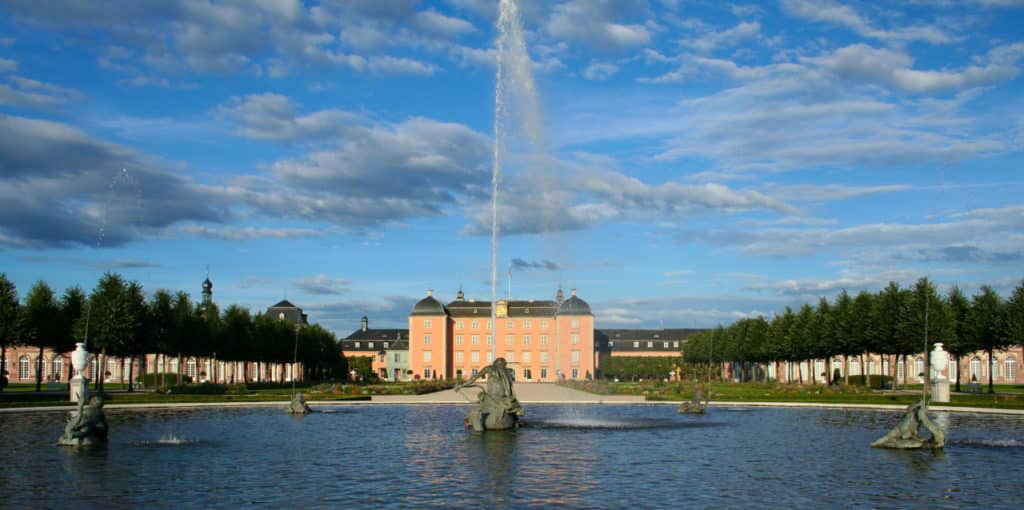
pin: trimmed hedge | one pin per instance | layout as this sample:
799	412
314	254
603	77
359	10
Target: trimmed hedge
876	381
152	380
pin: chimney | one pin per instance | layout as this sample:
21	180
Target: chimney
366	323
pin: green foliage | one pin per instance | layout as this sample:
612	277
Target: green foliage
153	379
875	381
638	367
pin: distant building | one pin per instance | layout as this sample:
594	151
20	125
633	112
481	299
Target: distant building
285	310
642	342
387	348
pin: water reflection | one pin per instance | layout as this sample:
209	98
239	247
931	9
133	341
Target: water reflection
576	457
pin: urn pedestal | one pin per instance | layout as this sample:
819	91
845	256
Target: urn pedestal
79	382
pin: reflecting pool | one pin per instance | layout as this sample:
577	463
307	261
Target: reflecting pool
640	456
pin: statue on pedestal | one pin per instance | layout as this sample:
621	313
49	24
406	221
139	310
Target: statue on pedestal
694	406
298	405
904	436
498	408
88	426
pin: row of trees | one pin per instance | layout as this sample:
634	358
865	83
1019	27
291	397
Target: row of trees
894	321
116	319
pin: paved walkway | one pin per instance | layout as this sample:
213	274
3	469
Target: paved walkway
527	393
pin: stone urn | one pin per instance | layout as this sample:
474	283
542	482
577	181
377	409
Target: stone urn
79	382
939	360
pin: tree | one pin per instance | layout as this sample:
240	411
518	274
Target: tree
988	325
137	342
72	305
1015	315
927	321
39	324
959	341
9	311
862	328
112	324
161	329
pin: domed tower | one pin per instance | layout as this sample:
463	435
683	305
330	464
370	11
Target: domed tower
576	353
429	350
207	292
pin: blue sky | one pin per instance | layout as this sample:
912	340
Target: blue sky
699	162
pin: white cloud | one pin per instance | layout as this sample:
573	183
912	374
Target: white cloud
395	65
230	233
322	284
715	39
8	65
600	70
447	26
597	23
829	11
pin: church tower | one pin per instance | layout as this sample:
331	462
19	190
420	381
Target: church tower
207	292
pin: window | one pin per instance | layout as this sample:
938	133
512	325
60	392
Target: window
543	324
575	323
475	371
112	368
476	325
899	369
1011	368
526	339
475	340
56	369
459	325
426	323
650	345
23	367
871	366
427	357
510	356
426	340
575	356
459	356
527	374
490	356
854	368
426	373
575	373
510	324
458	339
543	339
385	345
919	367
357	345
490	325
490	340
474	357
611	344
543	373
819	370
636	345
510	340
396	357
544	357
665	344
526	323
575	339
526	357
190	368
675	345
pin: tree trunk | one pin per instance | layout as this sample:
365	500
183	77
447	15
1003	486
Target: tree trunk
991	388
864	370
179	368
3	366
40	365
101	370
131	373
163	370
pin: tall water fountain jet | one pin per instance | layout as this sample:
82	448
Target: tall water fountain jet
513	82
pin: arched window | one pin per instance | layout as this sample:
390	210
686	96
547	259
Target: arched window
57	369
919	368
1010	368
975	368
190	368
871	366
111	372
837	365
94	368
23	367
854	368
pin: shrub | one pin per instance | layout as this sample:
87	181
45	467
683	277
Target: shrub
875	381
152	380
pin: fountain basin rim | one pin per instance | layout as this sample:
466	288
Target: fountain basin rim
335	403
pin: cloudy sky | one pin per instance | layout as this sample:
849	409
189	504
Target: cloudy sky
687	163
